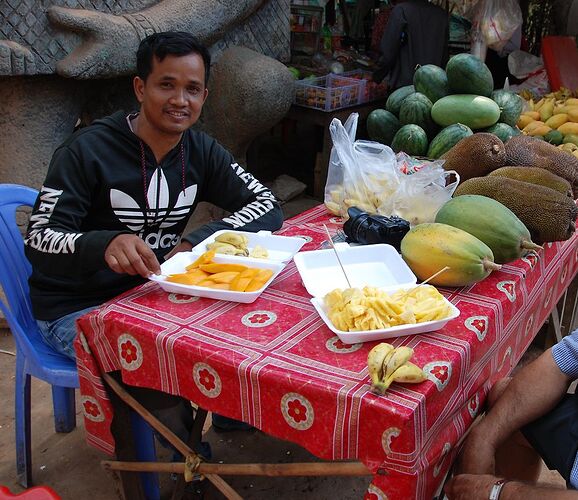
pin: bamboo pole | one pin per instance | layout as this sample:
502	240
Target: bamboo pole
272	470
219	483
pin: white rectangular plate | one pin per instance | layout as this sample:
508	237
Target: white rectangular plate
178	262
386	333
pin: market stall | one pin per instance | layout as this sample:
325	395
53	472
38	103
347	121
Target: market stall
473	184
276	365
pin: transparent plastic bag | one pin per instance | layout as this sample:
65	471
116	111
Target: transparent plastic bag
497	20
360	173
423	189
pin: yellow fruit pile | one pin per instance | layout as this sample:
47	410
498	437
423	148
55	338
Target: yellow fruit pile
355	309
222	276
557	111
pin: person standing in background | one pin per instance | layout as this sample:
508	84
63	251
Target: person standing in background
417	33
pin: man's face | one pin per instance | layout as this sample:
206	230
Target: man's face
173	95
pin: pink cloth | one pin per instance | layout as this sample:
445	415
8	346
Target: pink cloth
276	365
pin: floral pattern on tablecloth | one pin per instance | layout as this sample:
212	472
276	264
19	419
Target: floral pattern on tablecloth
276	365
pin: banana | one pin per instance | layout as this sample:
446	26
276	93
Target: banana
399	357
408	373
222	248
235	239
375	360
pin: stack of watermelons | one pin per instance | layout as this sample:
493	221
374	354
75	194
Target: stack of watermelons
443	106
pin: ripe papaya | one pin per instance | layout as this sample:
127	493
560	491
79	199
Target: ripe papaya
428	248
491	222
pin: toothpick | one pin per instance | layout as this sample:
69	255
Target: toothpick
425	281
337	255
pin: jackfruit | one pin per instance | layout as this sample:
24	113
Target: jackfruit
531	152
476	155
536	175
548	214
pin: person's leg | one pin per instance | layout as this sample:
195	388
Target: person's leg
226	424
515	458
552	438
173	411
60	333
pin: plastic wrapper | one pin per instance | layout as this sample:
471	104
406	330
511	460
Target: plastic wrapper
423	187
361	173
369	176
497	20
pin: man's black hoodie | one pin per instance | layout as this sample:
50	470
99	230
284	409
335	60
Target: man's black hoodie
100	184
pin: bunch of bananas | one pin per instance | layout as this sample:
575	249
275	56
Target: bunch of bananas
231	243
387	364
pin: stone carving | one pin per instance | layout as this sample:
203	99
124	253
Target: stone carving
54	55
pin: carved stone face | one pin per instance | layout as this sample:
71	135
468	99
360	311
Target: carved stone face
172	96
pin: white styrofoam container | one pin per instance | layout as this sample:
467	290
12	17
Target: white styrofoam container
178	263
368	265
280	248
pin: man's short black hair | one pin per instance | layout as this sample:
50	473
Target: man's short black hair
169	43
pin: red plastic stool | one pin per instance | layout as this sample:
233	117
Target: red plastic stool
35	493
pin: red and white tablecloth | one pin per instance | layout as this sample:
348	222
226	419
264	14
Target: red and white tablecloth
275	364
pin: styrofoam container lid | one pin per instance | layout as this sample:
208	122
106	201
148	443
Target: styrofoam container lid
178	262
366	265
280	248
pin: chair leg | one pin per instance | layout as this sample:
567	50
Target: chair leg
145	451
22	418
64	408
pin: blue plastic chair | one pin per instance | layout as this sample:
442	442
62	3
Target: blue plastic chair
37	359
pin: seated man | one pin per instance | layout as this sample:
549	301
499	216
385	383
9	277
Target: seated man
533	401
416	32
118	193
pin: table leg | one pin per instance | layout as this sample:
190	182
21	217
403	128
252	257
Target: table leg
194	442
125	448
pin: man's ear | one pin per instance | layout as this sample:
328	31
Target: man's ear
205	94
138	85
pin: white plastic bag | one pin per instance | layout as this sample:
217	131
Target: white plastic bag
497	20
423	189
521	64
360	173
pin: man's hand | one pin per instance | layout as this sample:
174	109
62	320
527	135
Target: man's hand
15	59
127	253
470	487
108	43
183	246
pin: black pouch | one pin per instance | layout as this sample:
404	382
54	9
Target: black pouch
368	229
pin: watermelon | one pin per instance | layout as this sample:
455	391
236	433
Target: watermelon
382	126
411	139
447	139
416	109
432	81
503	131
468	75
393	103
511	106
475	111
